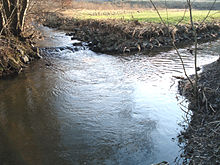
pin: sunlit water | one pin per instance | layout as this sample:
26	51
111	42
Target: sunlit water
79	107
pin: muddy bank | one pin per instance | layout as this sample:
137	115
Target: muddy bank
201	137
15	55
120	36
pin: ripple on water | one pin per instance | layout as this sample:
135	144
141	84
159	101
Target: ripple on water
88	108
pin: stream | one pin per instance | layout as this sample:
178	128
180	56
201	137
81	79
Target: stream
77	107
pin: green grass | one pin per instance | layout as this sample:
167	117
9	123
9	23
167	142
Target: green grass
174	16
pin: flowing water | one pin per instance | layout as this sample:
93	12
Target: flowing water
78	107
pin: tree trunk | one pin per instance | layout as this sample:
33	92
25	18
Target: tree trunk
23	12
13	15
1	20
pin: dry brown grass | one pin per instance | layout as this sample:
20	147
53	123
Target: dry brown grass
103	6
54	5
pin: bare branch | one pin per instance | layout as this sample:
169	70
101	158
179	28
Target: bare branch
196	48
173	43
209	12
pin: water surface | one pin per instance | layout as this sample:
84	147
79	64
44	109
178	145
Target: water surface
78	107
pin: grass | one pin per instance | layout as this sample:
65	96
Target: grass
147	15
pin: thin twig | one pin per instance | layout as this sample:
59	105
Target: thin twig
195	51
209	12
173	43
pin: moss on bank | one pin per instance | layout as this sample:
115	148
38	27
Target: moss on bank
15	55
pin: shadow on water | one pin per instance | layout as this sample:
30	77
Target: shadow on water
8	155
79	107
27	124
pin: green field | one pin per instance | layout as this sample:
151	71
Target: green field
150	15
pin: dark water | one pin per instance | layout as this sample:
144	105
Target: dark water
79	107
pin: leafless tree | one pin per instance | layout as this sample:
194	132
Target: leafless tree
12	16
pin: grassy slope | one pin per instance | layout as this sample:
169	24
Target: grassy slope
142	15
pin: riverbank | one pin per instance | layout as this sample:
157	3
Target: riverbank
121	36
15	55
201	137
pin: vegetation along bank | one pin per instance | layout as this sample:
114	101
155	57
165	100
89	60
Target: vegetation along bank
115	36
201	136
16	49
15	55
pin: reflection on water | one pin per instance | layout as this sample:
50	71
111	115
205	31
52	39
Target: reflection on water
88	108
